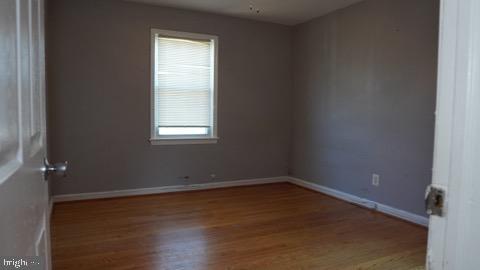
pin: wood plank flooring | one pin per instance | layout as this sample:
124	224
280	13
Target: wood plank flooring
276	226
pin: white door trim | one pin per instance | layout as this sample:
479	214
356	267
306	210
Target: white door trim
457	131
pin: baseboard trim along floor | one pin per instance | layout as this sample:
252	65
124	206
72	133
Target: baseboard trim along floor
166	189
414	218
391	211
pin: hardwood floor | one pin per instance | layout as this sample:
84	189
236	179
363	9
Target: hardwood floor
277	226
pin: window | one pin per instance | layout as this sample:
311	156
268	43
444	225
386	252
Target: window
184	69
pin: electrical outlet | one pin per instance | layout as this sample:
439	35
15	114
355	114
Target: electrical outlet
376	180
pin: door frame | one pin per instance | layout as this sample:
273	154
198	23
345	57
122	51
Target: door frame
455	129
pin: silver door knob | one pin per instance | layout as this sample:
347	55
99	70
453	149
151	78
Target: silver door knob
59	169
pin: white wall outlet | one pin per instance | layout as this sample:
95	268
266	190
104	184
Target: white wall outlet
376	180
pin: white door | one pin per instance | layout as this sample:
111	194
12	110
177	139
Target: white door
454	238
24	198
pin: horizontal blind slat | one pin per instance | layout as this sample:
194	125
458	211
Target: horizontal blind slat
183	82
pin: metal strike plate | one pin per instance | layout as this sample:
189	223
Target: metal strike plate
434	201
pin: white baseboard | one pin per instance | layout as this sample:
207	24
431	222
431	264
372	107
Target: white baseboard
166	189
333	192
417	219
392	211
414	218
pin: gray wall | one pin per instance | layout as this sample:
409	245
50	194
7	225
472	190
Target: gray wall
362	81
364	100
99	100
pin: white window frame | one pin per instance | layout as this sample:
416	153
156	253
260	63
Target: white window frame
155	139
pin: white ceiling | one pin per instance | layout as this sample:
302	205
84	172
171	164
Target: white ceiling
289	12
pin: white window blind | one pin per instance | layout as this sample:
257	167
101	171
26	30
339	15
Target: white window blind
183	86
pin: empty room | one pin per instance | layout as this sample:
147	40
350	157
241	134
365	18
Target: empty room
234	134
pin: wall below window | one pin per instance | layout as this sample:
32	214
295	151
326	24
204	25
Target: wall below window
99	98
361	80
364	100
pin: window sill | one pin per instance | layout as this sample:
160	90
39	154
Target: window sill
179	141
